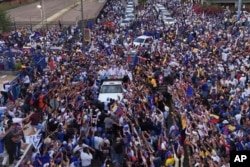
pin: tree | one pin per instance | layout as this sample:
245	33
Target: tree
5	20
142	1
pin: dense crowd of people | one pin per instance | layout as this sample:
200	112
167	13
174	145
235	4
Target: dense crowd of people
200	116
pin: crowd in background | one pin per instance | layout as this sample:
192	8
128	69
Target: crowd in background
203	61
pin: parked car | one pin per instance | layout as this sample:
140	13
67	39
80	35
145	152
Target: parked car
125	22
158	8
142	41
128	12
129	9
165	13
130	3
169	21
130	16
130	6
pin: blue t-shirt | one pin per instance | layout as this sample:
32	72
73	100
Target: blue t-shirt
60	136
46	158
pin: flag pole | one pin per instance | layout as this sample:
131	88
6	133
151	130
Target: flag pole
239	9
82	26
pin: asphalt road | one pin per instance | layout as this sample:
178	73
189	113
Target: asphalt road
91	9
30	13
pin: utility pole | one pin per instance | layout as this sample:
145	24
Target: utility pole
82	26
42	8
44	23
239	9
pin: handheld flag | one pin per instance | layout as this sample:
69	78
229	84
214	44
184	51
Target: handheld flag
119	111
190	91
114	108
214	118
136	59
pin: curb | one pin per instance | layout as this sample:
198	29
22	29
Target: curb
58	14
9	73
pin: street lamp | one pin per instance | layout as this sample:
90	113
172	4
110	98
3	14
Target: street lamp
40	8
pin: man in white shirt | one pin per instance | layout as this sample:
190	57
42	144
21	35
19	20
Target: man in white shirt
80	146
119	72
102	73
86	157
112	71
243	79
97	141
26	80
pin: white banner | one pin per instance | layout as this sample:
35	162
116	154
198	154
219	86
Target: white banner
34	140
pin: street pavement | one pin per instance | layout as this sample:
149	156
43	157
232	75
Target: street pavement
4	79
91	9
30	13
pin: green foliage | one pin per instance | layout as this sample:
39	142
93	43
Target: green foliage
142	1
18	66
5	20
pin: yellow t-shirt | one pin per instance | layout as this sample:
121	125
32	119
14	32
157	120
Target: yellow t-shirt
169	161
183	122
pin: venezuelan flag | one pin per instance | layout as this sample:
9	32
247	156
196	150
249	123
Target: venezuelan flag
119	111
231	127
114	108
214	118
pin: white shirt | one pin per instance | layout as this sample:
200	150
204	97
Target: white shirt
11	113
238	117
79	148
97	141
121	121
243	79
2	109
176	161
18	120
130	76
101	73
26	79
112	71
86	158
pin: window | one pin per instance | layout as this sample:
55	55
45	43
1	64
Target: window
111	89
139	40
125	21
147	40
